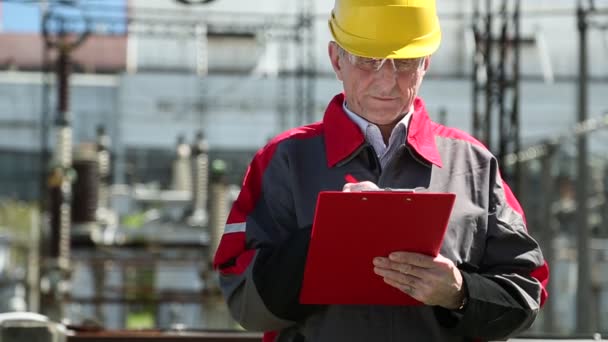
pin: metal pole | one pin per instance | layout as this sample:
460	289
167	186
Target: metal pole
300	65
548	232
503	119
44	122
57	270
310	61
42	249
282	86
58	264
584	315
503	126
489	78
476	122
64	158
517	169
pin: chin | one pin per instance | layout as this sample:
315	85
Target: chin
384	116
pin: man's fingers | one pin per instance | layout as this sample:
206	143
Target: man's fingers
409	289
429	280
415	259
396	276
412	270
416	271
360	186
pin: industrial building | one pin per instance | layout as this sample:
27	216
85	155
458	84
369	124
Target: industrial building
152	74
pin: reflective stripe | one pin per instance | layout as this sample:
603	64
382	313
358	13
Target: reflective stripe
234	228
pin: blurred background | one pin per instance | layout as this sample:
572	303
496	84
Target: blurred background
126	127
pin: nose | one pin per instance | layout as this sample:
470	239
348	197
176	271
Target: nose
387	70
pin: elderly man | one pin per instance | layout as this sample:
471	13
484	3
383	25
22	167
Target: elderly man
487	282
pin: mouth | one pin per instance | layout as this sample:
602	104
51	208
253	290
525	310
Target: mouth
384	98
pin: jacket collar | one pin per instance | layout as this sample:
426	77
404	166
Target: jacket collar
343	137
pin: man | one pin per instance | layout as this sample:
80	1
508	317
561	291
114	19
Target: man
487	282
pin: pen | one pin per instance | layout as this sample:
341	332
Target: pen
350	179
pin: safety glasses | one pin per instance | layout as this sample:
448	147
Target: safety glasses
401	65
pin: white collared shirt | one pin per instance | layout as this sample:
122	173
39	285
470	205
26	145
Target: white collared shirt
373	135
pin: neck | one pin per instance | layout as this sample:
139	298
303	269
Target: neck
387	129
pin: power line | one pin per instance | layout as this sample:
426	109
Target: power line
540	150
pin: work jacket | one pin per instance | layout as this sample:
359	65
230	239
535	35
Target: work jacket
262	252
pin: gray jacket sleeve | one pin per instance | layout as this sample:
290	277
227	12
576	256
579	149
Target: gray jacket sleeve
262	253
506	290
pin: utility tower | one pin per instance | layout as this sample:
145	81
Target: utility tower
58	32
496	80
306	63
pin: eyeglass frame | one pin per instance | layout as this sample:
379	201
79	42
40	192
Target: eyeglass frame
375	64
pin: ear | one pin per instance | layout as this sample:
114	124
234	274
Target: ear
335	58
427	63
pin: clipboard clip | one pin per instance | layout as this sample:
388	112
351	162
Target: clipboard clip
408	190
399	189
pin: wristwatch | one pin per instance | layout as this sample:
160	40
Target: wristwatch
463	303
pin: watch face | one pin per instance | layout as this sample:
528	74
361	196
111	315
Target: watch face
463	303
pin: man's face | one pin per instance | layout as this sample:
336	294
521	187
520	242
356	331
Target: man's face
381	96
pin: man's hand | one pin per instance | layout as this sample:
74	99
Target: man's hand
432	281
360	186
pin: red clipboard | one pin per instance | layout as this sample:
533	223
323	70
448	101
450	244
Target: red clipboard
351	228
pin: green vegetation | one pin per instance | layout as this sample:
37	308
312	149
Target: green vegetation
16	218
143	318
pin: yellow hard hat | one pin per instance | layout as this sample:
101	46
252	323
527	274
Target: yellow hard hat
386	28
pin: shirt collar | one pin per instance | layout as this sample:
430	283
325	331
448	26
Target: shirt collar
363	123
343	136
